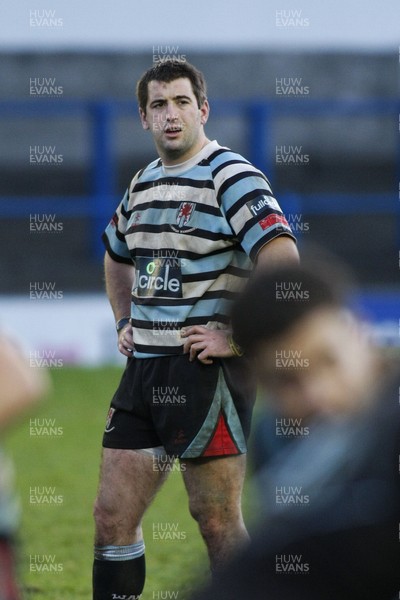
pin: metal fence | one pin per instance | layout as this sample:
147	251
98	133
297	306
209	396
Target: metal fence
260	116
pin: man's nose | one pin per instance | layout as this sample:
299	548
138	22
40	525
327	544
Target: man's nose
171	113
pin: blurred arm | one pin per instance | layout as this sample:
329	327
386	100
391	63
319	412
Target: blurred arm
21	386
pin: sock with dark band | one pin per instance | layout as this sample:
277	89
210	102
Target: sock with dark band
119	572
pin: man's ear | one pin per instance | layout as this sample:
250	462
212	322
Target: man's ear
204	111
143	119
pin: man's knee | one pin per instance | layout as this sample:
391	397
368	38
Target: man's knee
101	512
213	520
105	517
114	525
212	527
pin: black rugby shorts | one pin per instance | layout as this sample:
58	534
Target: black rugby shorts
192	410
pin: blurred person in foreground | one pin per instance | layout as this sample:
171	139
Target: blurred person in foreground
190	228
320	368
20	389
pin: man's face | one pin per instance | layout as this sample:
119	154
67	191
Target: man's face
174	119
322	366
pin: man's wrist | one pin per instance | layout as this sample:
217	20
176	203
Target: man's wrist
234	347
120	324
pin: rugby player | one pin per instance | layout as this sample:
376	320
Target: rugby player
182	241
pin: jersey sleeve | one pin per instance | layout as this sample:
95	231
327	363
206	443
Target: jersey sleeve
114	234
250	208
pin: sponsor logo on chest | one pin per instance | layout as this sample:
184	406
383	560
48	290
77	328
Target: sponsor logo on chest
155	278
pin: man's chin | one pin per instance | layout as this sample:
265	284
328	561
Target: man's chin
174	149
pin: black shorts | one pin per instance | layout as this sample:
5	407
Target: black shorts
191	409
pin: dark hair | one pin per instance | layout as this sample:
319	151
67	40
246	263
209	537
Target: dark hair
273	301
170	70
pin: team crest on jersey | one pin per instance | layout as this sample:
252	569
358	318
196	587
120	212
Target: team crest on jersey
136	219
183	217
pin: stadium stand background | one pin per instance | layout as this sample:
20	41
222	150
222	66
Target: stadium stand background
356	154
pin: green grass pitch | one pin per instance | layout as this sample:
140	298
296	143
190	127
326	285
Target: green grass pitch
57	473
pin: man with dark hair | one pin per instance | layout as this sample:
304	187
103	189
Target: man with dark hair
331	499
170	71
179	246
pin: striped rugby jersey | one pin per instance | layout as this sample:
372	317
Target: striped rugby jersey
191	231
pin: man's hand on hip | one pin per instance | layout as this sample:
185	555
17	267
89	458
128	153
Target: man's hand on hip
204	343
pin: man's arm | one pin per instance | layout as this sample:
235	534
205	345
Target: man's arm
210	342
279	251
21	386
119	278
